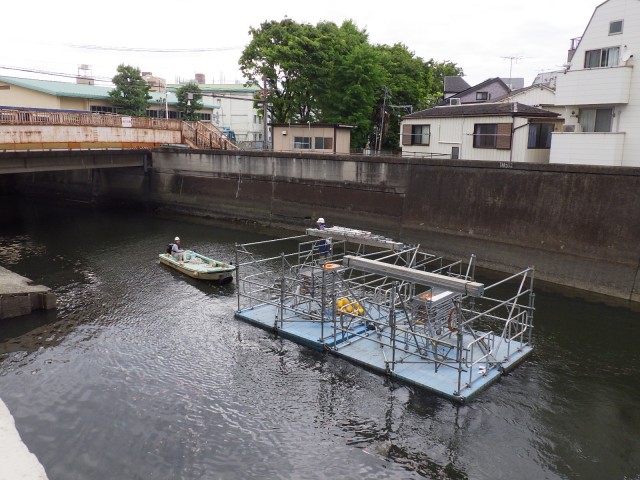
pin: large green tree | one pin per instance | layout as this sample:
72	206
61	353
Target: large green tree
131	94
347	88
330	73
280	56
189	101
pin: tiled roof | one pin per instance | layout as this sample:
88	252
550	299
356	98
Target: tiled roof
95	92
489	81
482	109
59	89
455	84
515	82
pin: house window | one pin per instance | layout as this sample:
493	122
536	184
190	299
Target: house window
323	143
485	135
420	134
540	135
102	109
615	27
602	57
596	119
482	96
205	117
302	142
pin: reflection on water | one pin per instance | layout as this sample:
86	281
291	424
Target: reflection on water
144	373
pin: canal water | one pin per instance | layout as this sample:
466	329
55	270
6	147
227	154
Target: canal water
142	373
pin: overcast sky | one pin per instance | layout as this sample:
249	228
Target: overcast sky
57	36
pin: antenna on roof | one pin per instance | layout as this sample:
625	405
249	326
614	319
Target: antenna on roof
512	58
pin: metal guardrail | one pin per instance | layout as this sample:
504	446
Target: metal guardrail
205	135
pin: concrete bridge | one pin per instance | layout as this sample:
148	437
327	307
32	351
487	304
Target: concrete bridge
52	130
52	161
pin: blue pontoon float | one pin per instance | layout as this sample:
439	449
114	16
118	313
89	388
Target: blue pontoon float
389	307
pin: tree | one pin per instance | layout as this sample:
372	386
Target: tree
330	73
189	101
131	95
283	55
346	90
411	84
314	73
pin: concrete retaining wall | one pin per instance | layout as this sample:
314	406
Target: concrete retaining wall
18	295
577	225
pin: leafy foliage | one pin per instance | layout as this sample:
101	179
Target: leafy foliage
411	84
131	95
330	73
189	104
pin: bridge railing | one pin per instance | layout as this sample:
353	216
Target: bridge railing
205	135
35	117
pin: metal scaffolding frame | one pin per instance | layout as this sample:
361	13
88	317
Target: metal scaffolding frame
390	307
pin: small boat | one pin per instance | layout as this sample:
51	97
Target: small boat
200	267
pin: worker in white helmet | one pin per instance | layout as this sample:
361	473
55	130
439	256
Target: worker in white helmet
176	250
323	246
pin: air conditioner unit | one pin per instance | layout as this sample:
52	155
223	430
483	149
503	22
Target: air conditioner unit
454	101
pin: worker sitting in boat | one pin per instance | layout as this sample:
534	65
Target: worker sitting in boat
176	250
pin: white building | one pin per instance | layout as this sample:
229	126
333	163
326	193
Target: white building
539	96
600	91
235	111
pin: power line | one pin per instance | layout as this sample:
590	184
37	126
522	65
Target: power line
152	50
53	74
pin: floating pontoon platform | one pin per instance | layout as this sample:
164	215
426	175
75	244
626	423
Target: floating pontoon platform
395	310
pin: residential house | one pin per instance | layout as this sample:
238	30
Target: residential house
482	92
311	137
600	91
503	132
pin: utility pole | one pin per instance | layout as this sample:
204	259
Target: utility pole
265	130
384	106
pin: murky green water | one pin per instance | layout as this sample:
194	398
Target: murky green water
142	373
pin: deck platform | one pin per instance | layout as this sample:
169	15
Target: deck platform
359	345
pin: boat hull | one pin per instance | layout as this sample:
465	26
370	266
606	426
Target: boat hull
200	267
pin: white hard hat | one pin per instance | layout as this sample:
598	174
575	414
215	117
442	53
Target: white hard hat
320	220
177	239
